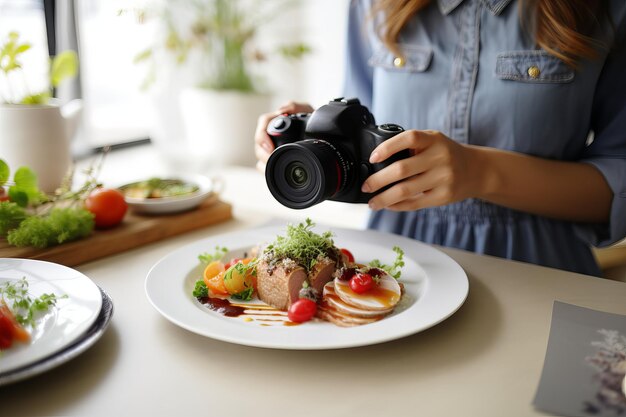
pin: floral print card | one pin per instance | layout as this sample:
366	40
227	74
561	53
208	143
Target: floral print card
585	364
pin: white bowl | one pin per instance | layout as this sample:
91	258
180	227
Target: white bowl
207	188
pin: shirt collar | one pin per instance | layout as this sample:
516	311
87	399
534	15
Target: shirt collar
495	6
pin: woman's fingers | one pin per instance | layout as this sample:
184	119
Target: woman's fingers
294	107
414	140
263	145
412	190
399	170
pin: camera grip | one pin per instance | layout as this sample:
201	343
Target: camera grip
287	128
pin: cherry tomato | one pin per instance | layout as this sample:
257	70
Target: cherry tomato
108	206
361	282
302	310
348	254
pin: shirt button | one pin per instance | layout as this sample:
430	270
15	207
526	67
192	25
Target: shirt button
534	71
398	62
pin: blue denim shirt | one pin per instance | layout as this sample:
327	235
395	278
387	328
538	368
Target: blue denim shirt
473	73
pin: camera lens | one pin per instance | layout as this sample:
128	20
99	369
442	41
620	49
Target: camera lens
302	174
296	175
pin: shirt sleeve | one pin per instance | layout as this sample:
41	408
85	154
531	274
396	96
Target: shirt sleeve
358	74
607	152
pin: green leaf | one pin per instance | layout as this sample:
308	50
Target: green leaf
64	65
41	98
245	295
25	191
294	51
200	290
207	258
5	172
22	48
142	56
18	197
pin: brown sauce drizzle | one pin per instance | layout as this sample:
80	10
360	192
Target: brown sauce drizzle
228	309
222	306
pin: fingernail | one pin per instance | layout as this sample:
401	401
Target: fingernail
374	157
366	188
373	205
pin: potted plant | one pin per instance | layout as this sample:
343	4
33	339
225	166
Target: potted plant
35	130
220	40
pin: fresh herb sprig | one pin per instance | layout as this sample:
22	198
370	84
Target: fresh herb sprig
302	245
59	226
207	258
200	290
394	269
25	308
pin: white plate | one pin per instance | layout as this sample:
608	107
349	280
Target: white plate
62	324
435	287
84	342
208	188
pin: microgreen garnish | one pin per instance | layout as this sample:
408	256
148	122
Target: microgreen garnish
207	258
25	308
302	245
394	269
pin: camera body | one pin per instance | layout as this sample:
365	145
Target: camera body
325	155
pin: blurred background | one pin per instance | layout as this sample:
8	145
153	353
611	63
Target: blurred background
143	63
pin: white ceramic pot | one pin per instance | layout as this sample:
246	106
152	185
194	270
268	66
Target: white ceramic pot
219	125
39	136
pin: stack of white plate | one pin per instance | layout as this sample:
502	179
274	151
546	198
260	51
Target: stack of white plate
79	318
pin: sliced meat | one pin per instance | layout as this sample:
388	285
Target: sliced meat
336	303
330	313
280	285
321	273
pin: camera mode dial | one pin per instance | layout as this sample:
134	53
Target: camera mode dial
391	127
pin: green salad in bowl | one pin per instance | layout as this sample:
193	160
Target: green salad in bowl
168	195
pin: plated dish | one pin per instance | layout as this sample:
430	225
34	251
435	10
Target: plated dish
78	306
84	342
434	288
169	194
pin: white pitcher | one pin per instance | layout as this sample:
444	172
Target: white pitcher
39	136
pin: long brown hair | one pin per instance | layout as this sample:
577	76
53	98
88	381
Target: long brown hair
561	27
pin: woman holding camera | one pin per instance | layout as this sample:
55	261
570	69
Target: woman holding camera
515	118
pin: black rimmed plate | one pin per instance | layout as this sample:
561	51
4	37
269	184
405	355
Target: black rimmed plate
84	342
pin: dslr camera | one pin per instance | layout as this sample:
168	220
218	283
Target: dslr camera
324	155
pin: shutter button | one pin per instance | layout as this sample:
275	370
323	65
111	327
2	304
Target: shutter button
398	62
534	71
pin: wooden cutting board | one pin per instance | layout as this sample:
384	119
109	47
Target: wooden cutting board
136	230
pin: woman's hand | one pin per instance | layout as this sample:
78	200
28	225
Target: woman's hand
441	171
438	172
263	145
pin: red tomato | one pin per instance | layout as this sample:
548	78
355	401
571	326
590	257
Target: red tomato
10	329
6	332
107	205
361	282
302	310
348	254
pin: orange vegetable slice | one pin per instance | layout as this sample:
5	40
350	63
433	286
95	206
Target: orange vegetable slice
213	277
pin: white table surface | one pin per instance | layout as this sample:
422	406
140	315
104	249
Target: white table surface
485	360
